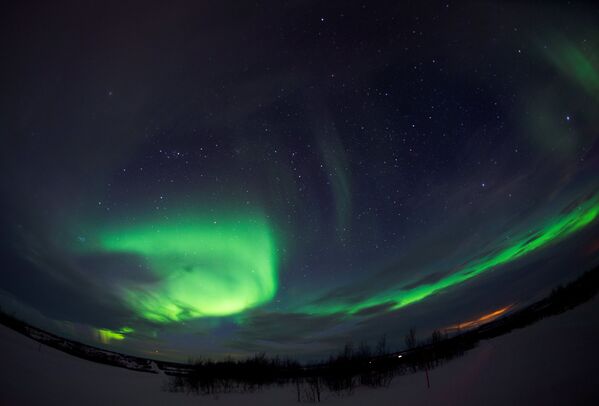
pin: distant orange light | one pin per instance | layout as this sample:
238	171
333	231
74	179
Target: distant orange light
483	319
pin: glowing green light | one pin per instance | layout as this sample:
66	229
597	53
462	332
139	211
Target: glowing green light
203	268
553	231
580	64
126	330
106	336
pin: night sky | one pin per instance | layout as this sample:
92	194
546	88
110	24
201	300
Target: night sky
219	178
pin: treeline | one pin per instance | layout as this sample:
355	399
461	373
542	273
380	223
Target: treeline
343	372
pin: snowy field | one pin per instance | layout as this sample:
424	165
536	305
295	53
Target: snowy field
553	362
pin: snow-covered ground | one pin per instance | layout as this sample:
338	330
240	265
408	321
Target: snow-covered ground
553	362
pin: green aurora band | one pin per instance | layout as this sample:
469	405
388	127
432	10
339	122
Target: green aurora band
579	64
336	161
203	268
106	335
552	231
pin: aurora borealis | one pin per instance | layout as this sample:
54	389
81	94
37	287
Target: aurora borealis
204	269
208	180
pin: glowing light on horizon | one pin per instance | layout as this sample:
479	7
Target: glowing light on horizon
480	320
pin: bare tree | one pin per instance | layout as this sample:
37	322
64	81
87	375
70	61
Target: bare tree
436	337
411	338
381	346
